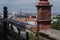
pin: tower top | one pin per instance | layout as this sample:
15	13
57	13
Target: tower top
43	0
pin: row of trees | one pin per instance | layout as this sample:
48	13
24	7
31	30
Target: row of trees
56	24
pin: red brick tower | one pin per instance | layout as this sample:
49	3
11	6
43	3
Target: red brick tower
44	14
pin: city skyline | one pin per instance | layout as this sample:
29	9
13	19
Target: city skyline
27	6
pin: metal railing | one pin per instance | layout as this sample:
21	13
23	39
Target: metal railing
8	31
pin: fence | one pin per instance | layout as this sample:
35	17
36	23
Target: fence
6	27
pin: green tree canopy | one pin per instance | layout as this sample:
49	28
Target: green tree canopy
56	25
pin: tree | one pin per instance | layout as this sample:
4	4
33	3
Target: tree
56	25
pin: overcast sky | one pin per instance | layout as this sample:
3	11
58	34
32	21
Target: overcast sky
27	6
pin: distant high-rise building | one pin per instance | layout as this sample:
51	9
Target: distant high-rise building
21	12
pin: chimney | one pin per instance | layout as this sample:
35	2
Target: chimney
44	14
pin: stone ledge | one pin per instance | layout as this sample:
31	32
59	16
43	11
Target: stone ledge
51	33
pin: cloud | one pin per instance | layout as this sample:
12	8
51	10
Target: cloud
28	4
18	2
2	1
56	5
56	0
